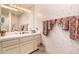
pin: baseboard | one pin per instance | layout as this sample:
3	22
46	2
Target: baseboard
34	51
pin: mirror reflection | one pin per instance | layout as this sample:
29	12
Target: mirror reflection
16	17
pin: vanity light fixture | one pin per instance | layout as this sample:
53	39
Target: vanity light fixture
26	10
20	8
4	6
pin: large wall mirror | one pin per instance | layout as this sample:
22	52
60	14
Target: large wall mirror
12	18
4	19
9	18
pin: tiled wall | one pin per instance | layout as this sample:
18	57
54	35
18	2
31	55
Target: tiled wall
58	40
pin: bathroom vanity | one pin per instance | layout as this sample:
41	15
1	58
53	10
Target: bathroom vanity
19	43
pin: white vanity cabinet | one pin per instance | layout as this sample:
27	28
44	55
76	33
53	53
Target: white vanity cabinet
11	50
8	43
10	46
26	44
26	39
26	47
37	41
20	45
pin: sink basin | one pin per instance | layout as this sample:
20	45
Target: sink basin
17	32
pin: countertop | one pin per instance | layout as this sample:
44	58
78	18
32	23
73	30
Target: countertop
7	37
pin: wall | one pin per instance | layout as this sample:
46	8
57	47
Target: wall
58	40
26	18
32	21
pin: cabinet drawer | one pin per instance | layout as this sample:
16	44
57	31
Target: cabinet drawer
38	39
26	47
28	42
11	50
37	36
9	43
25	39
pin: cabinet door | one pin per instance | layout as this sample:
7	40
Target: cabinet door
35	44
37	41
8	43
0	48
11	50
25	39
26	47
37	37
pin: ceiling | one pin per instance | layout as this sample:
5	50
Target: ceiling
27	6
51	10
